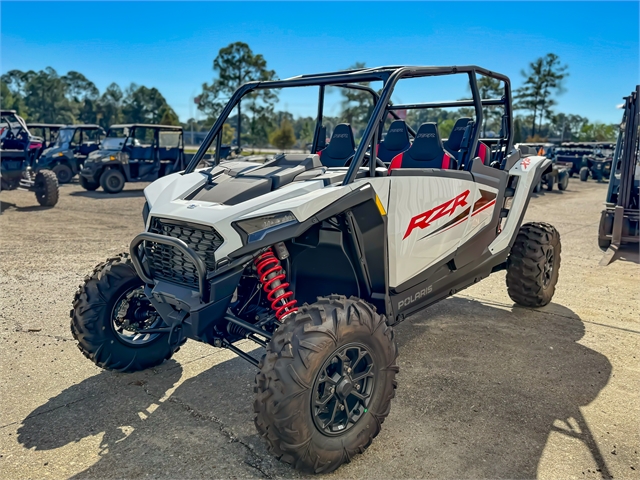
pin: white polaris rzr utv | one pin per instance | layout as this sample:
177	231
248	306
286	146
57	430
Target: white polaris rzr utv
315	257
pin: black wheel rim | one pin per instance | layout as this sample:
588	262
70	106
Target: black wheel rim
64	176
343	389
131	313
113	182
548	267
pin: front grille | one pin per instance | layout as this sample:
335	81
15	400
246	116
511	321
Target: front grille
169	263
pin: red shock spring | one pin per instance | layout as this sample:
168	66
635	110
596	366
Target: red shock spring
273	278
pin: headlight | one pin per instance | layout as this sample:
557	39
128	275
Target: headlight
59	154
257	228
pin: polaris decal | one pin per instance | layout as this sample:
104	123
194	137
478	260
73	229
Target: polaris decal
425	219
416	296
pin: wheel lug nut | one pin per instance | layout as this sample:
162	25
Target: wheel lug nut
357	387
349	370
341	407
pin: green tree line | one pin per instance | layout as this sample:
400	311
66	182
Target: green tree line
47	97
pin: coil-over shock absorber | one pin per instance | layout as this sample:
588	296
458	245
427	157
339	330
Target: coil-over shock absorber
273	278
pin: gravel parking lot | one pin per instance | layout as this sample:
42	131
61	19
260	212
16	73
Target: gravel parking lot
486	389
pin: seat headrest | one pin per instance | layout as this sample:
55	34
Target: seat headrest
397	136
455	138
427	144
342	143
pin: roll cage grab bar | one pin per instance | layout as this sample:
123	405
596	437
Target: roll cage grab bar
382	105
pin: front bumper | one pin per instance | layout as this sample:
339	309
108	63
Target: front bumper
196	310
90	171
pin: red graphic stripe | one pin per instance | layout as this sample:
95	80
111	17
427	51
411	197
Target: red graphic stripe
466	218
483	208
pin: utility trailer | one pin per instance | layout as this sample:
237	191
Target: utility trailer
619	219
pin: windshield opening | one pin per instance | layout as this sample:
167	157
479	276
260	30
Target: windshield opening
65	135
115	139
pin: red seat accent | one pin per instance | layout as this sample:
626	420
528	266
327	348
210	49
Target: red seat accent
483	152
397	161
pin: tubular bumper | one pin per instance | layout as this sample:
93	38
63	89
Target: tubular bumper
141	267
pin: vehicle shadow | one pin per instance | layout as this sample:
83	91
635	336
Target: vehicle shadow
628	253
12	206
103	195
481	387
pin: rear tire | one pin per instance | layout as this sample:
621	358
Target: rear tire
112	181
63	172
46	188
88	184
92	320
308	362
549	183
563	183
533	265
584	174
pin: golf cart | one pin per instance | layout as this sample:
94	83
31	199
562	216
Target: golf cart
559	174
133	153
316	257
597	164
18	149
47	131
73	145
619	222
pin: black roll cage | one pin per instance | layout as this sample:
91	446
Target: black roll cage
389	75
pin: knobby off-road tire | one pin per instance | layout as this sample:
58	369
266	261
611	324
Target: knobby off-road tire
92	321
88	184
584	174
112	181
46	188
63	172
294	371
533	265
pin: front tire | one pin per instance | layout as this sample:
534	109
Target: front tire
533	265
63	172
112	181
325	384
105	327
584	174
46	188
88	184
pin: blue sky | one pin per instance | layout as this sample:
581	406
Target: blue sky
172	45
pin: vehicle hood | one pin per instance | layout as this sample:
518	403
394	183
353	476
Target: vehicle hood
97	155
180	197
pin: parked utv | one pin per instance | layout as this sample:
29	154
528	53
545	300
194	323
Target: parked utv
317	256
18	149
559	174
47	131
597	165
73	145
133	153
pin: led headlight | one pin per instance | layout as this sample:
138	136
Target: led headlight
257	228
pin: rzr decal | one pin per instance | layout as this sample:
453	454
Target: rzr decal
486	200
524	164
425	219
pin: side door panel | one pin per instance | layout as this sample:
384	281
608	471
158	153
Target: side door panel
427	220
